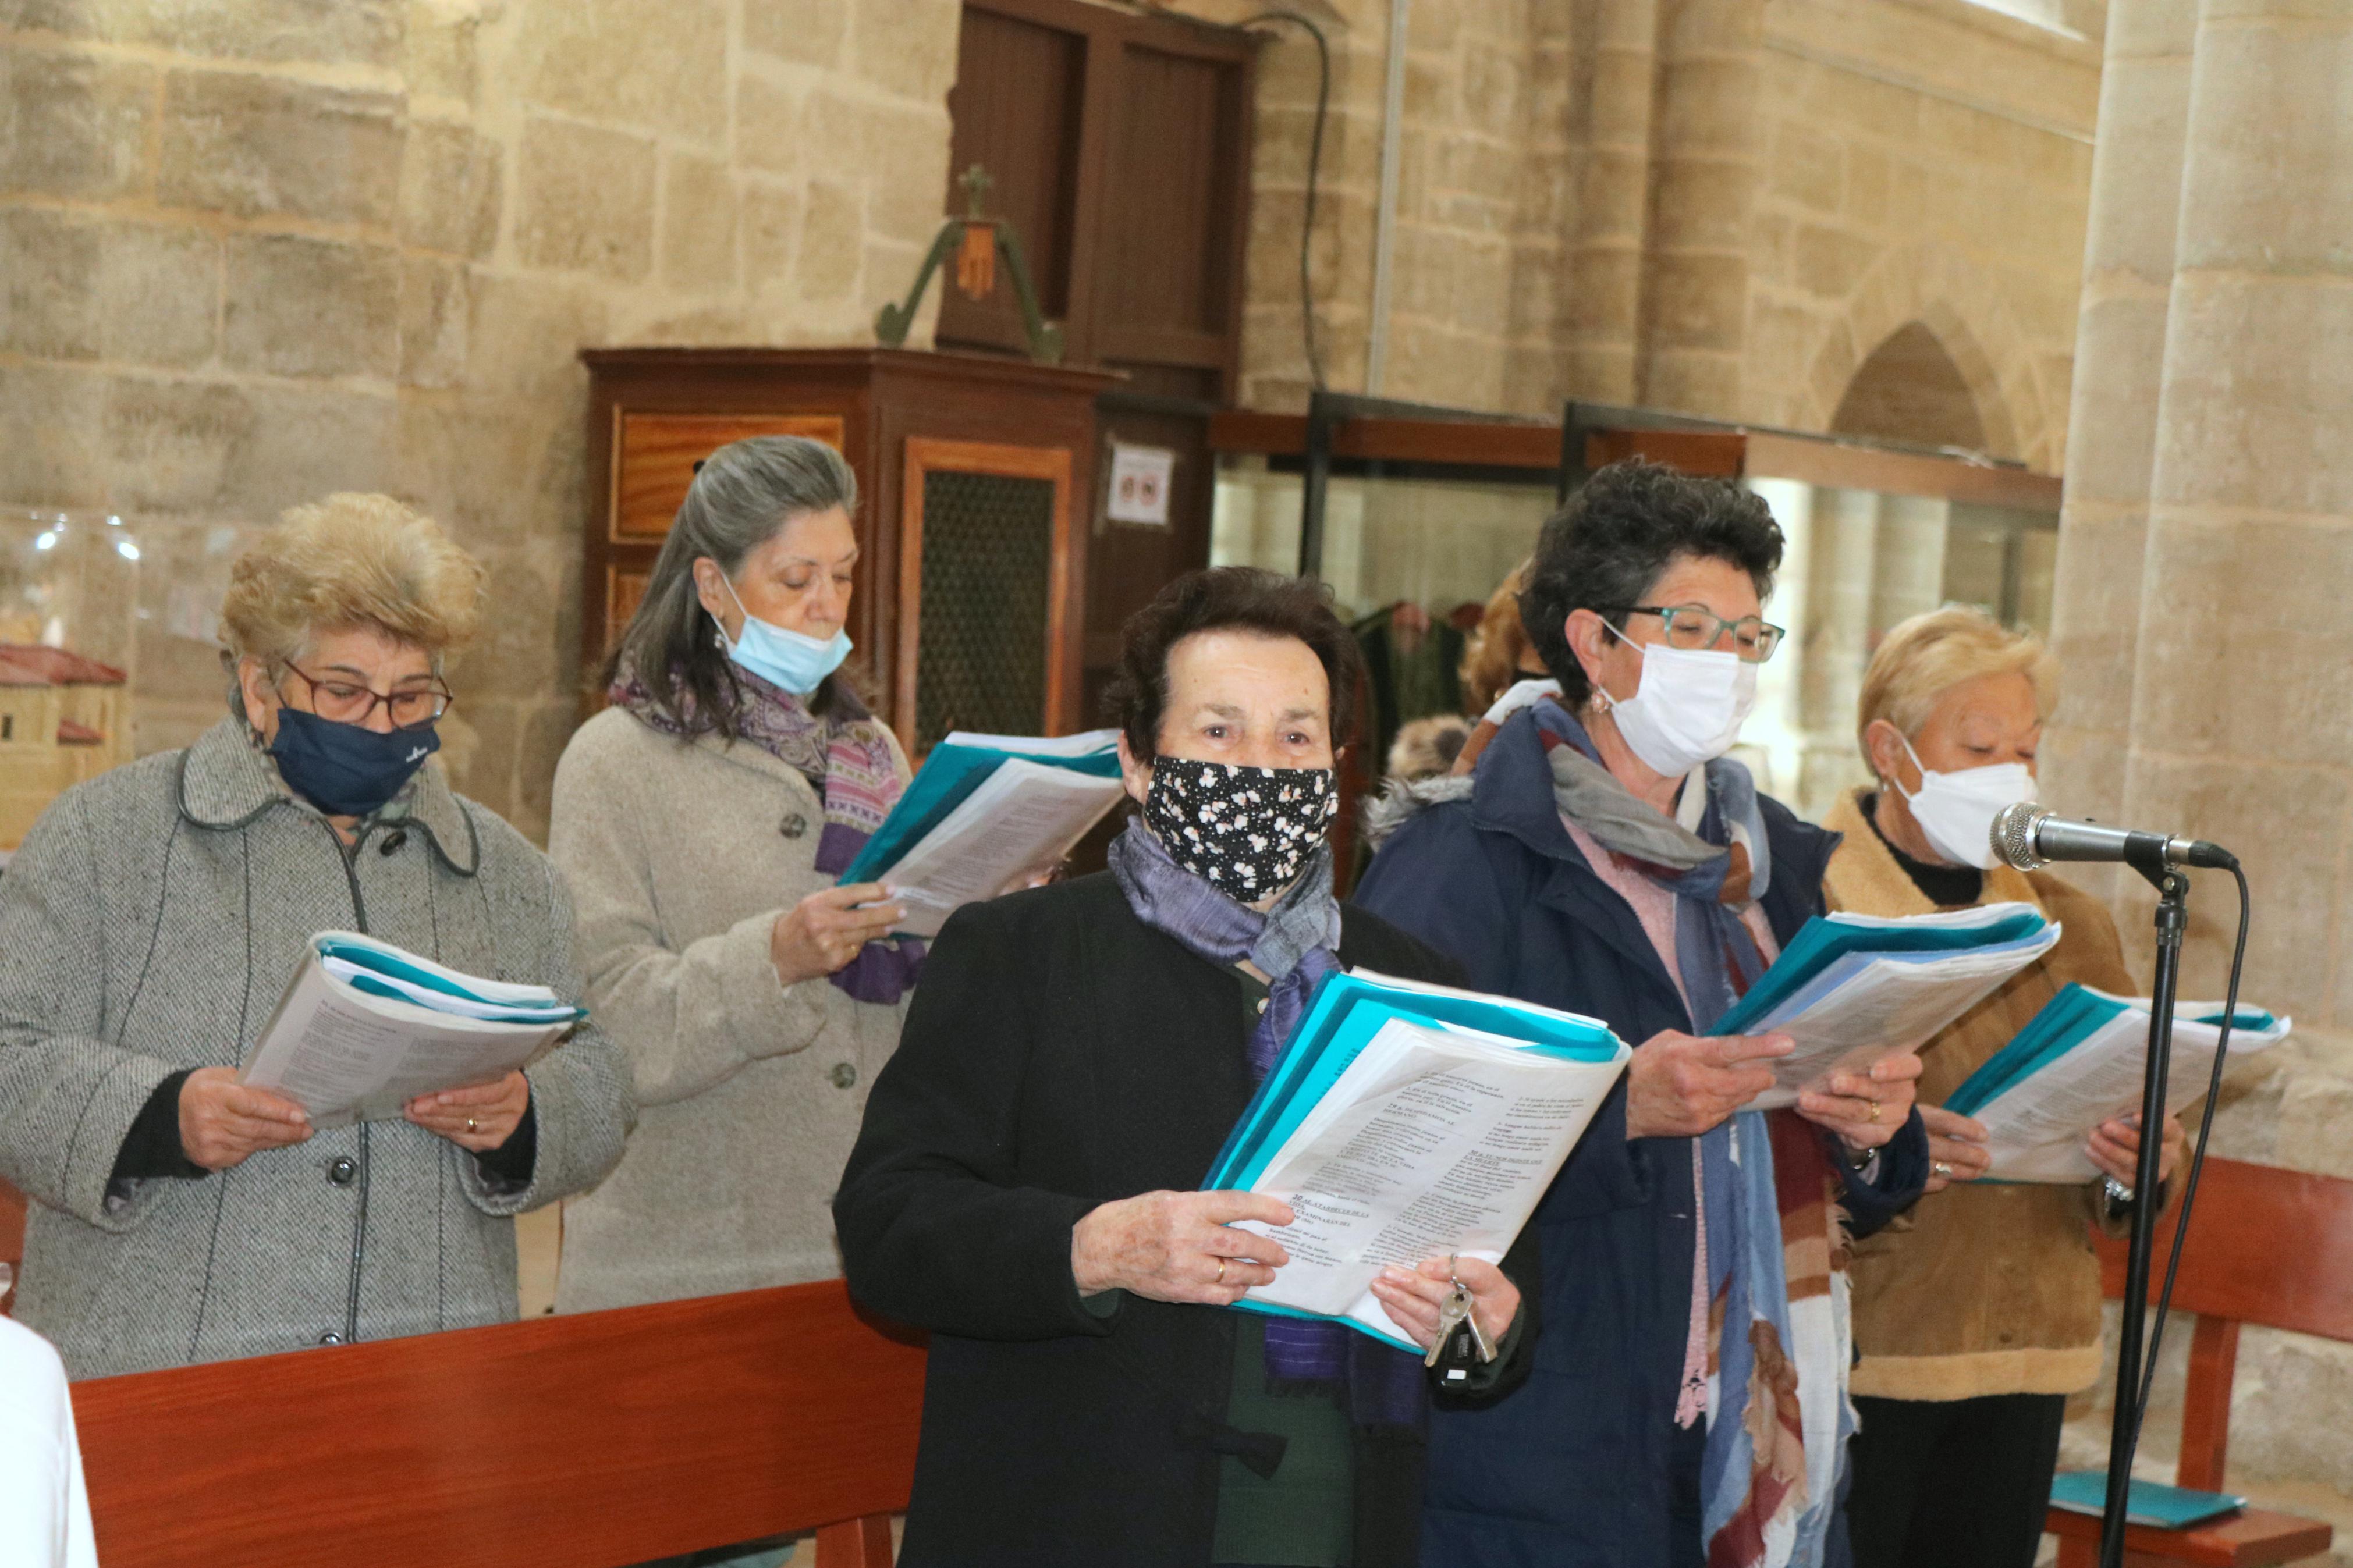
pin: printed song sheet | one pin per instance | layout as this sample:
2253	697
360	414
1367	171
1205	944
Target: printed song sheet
1434	1140
347	1056
1018	823
2040	1122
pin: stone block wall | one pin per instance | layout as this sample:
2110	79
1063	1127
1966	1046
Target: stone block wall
1712	206
2202	552
254	250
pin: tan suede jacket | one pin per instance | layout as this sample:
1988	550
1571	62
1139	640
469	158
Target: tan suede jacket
1983	1288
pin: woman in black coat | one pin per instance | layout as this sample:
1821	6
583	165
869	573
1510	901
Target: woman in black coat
1073	1060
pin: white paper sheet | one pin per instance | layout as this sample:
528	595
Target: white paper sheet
1432	1142
1876	1004
2039	1124
1019	823
346	1057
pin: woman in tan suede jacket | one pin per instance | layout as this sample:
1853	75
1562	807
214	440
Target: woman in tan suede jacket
1977	1314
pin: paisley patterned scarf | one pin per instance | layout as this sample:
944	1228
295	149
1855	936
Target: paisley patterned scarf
847	759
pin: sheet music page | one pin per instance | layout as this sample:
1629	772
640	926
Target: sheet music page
345	1057
1886	1004
1432	1142
1019	823
2039	1124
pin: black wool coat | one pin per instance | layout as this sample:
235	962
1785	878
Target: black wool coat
1060	1054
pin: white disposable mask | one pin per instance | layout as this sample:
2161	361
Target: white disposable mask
1688	707
1956	811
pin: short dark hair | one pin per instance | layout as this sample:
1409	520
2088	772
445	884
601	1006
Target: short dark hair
1228	598
1614	538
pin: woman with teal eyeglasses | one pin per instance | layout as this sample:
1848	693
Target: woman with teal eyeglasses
701	820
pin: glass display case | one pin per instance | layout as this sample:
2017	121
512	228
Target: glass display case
109	645
69	593
1419	514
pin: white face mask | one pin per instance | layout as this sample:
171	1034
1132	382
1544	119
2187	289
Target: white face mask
1688	707
1956	811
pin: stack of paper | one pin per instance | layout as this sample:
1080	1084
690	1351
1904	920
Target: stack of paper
365	1026
2079	1062
1850	989
1406	1121
983	812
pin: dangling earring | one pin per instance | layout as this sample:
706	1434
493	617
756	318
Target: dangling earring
1599	701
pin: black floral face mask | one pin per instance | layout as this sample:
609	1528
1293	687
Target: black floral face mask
1245	831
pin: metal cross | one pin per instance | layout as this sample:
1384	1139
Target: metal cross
976	182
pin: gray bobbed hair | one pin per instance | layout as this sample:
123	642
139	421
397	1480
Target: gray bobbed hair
743	494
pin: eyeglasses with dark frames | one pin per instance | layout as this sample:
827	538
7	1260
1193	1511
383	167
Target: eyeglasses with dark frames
349	702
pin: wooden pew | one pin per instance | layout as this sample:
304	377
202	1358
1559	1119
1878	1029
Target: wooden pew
2269	1247
12	1240
577	1442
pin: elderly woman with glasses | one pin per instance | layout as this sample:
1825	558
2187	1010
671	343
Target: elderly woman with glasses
1688	1402
155	916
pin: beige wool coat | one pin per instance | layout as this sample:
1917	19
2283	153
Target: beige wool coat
1983	1288
681	855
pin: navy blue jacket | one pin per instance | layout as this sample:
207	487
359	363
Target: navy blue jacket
1584	1464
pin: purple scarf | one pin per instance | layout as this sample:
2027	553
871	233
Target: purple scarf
847	759
1292	944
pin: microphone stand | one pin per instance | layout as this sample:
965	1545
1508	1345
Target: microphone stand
2172	916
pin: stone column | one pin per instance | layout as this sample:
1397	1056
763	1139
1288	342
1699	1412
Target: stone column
2207	551
1705	176
2112	424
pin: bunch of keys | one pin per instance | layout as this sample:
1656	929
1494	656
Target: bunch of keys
1455	1316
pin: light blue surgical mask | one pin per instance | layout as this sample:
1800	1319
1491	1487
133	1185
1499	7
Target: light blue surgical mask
793	661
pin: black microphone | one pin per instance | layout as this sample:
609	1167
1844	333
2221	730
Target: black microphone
2029	837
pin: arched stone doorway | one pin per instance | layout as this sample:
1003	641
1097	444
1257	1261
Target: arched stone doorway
1910	389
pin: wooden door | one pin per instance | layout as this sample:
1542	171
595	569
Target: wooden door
981	618
1119	147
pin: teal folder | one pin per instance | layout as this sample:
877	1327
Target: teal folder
1342	1017
2146	1502
949	774
1828	951
385	960
2064	1022
1346	1011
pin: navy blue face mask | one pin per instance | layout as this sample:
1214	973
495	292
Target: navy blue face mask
346	770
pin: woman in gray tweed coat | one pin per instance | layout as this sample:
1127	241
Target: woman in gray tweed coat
154	915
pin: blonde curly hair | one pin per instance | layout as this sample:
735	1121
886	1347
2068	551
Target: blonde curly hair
1928	655
351	560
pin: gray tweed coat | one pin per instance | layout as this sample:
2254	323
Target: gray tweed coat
149	923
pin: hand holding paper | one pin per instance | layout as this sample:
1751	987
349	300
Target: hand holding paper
223	1122
1405	1122
1177	1247
1679	1086
2077	1065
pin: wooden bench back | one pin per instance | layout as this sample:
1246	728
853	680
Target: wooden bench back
577	1442
12	1240
2266	1245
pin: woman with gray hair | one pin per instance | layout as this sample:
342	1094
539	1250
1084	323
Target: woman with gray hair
701	820
155	916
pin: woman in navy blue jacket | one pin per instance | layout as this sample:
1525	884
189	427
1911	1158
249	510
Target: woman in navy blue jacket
1598	838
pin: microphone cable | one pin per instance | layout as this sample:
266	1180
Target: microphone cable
2196	1162
1315	171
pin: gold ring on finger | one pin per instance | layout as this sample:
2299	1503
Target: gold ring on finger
1221	1272
471	1125
1944	1169
1874	1109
